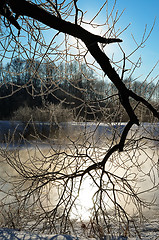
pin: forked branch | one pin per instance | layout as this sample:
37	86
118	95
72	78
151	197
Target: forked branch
25	8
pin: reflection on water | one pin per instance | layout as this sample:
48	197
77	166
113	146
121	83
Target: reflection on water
59	152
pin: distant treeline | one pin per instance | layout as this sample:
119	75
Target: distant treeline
30	83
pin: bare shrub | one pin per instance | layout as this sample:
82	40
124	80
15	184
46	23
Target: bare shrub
50	113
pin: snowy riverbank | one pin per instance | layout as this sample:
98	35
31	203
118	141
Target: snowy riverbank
149	232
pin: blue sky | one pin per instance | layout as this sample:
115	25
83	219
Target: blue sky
138	13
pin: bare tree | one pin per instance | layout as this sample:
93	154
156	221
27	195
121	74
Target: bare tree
49	182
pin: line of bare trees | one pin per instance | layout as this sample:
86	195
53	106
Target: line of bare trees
62	83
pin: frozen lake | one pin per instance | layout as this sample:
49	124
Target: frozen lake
34	146
16	132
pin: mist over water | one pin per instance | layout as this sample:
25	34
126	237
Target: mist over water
143	162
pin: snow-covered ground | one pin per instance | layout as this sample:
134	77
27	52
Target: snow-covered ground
149	233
